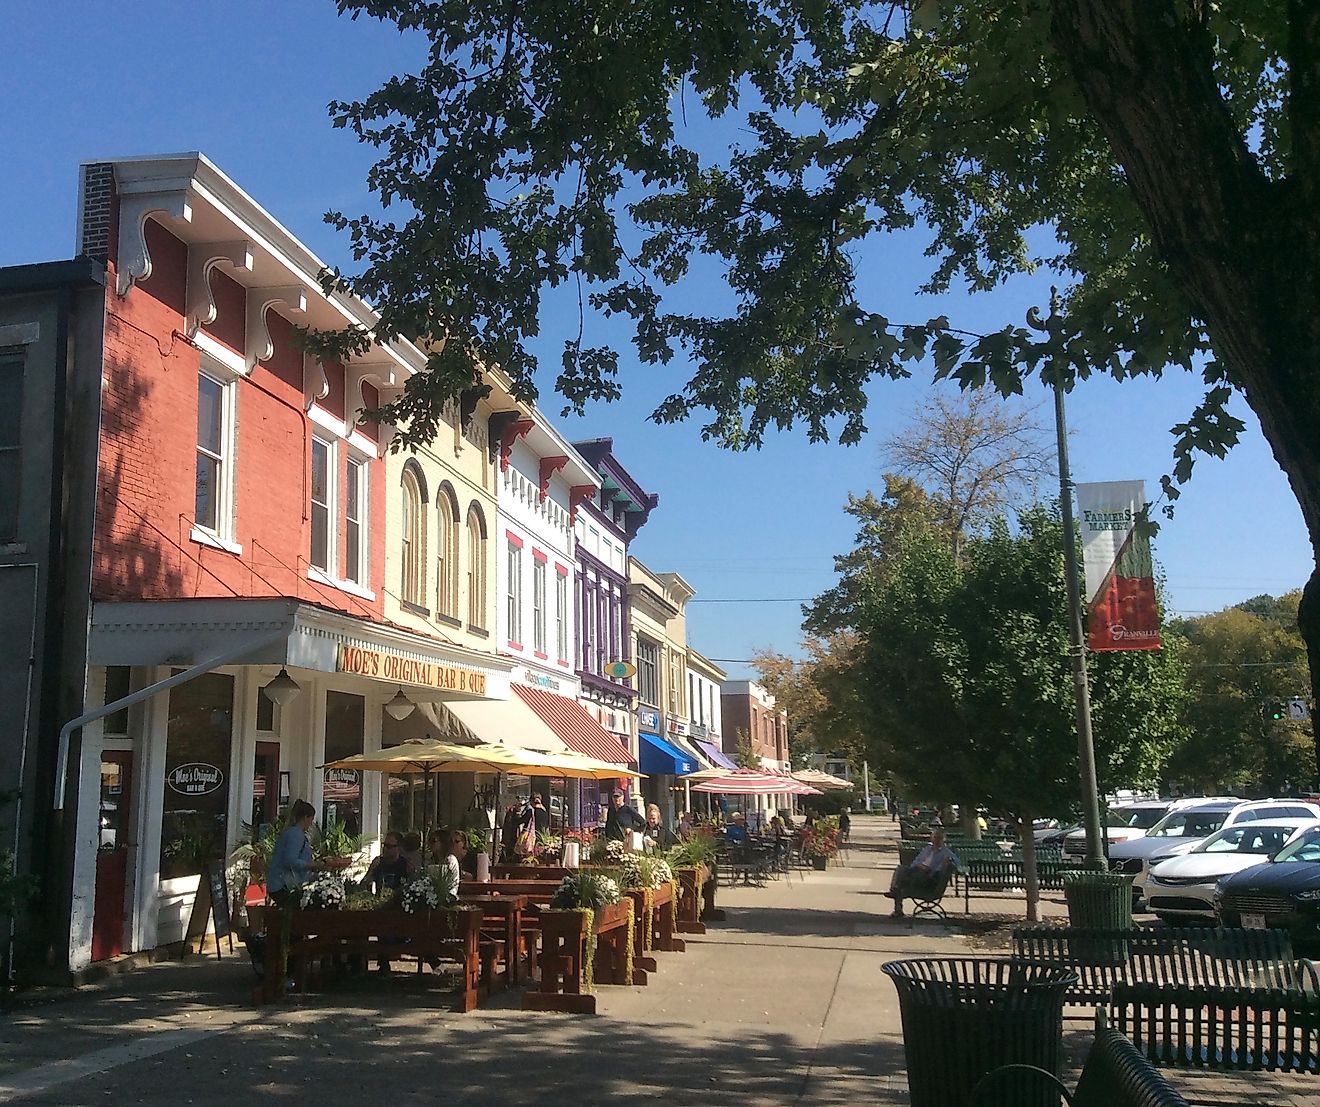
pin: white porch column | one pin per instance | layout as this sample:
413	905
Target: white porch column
86	829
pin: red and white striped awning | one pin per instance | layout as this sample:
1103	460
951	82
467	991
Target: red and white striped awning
574	725
753	782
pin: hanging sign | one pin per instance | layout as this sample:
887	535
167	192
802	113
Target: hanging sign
195	779
620	670
1120	575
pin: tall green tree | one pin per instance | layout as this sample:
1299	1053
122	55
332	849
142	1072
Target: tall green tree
1238	661
1172	147
966	671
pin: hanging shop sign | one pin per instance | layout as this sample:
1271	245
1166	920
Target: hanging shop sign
620	670
393	669
195	779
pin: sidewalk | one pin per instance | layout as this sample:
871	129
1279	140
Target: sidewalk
783	1003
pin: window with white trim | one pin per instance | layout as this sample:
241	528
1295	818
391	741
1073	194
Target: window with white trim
322	507
446	561
213	503
357	545
561	615
476	569
648	672
515	593
538	605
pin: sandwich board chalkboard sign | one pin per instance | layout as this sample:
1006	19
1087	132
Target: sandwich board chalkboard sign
212	903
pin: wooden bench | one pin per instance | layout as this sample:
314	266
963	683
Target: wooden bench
1167	957
1220	1028
380	935
1115	1074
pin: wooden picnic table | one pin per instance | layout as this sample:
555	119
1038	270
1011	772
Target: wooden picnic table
563	958
382	934
506	911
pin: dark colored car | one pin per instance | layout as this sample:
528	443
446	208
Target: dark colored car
1283	892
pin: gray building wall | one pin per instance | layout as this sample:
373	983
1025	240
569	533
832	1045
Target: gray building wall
51	325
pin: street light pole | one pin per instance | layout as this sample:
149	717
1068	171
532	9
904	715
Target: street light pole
1053	327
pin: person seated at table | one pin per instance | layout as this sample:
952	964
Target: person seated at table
437	847
924	874
457	849
657	835
389	869
411	852
685	824
736	832
621	818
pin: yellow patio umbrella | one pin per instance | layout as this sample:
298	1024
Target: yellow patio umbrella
428	755
818	779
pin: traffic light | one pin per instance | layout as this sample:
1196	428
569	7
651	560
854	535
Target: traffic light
1275	712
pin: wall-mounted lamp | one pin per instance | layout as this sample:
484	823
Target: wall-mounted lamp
400	707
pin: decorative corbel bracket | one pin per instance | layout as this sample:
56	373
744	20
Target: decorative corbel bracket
316	385
577	496
467	404
384	374
202	258
506	427
260	347
133	262
549	467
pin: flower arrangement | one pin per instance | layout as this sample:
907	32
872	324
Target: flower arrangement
325	890
433	889
586	890
549	849
820	841
641	871
361	899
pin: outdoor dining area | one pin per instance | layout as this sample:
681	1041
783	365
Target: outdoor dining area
558	924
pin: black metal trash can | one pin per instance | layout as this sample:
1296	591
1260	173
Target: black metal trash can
964	1017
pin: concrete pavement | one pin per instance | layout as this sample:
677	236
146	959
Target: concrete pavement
783	1003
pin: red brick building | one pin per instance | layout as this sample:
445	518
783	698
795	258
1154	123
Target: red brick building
749	710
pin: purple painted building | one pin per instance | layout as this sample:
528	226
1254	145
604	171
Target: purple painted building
605	523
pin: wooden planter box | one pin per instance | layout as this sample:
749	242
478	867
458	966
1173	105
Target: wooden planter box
563	957
313	934
691	884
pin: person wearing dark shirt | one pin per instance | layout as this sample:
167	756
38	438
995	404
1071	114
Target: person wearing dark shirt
736	832
387	872
621	818
538	815
657	835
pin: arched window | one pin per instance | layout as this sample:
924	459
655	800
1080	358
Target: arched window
446	552
476	567
413	589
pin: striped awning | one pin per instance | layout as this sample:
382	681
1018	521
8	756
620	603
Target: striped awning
753	782
574	725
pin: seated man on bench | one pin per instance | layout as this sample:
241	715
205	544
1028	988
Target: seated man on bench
924	875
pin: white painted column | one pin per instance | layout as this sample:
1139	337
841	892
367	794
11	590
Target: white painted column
311	749
373	784
149	811
86	830
242	751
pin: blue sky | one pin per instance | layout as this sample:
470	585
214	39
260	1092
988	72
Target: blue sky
247	83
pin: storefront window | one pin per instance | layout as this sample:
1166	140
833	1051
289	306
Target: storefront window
196	799
345	720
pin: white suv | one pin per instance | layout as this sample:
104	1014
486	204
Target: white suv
1181	830
1125	822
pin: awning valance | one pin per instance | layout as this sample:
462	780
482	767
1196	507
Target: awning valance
659	758
574	725
717	756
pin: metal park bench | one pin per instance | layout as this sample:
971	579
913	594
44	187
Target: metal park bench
1115	1074
1168	957
1221	1028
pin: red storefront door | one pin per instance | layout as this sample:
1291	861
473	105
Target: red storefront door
112	854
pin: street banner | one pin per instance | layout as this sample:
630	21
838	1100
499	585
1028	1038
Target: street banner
1120	576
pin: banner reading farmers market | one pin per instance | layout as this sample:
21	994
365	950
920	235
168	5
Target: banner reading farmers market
1120	577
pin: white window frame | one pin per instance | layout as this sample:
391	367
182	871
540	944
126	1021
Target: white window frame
514	597
648	663
331	567
221	535
539	597
355	463
561	615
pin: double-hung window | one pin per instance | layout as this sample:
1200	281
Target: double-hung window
356	531
323	489
515	593
648	672
213	501
561	615
538	604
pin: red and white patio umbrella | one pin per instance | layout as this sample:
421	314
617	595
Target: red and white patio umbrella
754	782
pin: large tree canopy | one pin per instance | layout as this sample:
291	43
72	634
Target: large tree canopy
1160	157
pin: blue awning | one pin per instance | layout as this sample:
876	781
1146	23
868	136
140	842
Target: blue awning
659	758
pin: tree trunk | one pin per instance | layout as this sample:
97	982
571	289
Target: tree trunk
1244	247
967	818
1029	874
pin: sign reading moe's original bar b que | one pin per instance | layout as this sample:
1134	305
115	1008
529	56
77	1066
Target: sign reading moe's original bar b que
394	669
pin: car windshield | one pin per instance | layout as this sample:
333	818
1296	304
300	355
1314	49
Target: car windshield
1143	818
1265	841
1190	823
1306	848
